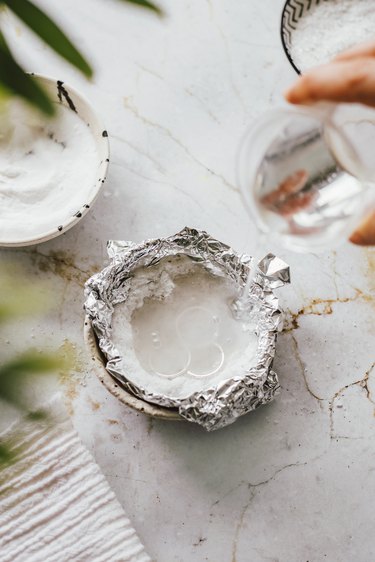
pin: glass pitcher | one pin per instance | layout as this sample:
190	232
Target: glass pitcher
307	174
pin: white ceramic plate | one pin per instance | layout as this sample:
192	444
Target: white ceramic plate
67	96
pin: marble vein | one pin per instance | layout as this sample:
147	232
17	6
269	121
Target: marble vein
187	90
160	182
363	383
143	153
253	487
228	56
133	109
303	369
60	265
323	307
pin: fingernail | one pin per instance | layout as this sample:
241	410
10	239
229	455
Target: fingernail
360	240
356	238
289	95
365	234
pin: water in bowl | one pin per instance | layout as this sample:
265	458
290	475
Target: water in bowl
192	333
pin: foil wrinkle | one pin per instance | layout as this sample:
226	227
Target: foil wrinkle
220	405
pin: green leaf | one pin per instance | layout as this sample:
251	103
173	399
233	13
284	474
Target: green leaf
6	454
146	4
16	81
47	30
37	416
15	373
19	299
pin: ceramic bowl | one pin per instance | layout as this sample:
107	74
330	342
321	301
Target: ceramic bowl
64	94
292	12
114	388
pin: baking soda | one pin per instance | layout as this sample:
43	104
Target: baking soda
329	28
48	170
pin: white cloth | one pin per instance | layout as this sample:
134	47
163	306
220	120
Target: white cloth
56	506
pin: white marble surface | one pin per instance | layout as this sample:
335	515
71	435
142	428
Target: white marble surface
294	481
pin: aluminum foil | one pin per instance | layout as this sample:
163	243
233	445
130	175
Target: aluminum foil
220	405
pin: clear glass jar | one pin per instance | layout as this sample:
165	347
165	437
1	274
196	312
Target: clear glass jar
307	175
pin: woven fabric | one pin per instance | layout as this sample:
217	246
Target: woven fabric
56	506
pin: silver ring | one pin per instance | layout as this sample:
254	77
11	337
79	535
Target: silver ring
217	368
173	375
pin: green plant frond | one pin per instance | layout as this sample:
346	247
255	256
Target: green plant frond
19	296
29	363
49	32
146	4
20	370
37	416
14	80
6	454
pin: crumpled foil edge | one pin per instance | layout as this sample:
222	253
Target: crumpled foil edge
219	405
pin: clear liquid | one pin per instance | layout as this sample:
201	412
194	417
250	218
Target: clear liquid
301	190
192	333
242	305
354	125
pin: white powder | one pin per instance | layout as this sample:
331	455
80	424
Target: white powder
177	319
48	171
329	28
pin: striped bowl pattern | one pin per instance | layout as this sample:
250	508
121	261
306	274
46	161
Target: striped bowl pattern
292	12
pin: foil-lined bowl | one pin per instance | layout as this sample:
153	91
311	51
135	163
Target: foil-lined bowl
218	405
118	391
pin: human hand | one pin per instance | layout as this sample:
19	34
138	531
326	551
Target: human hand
287	198
349	78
